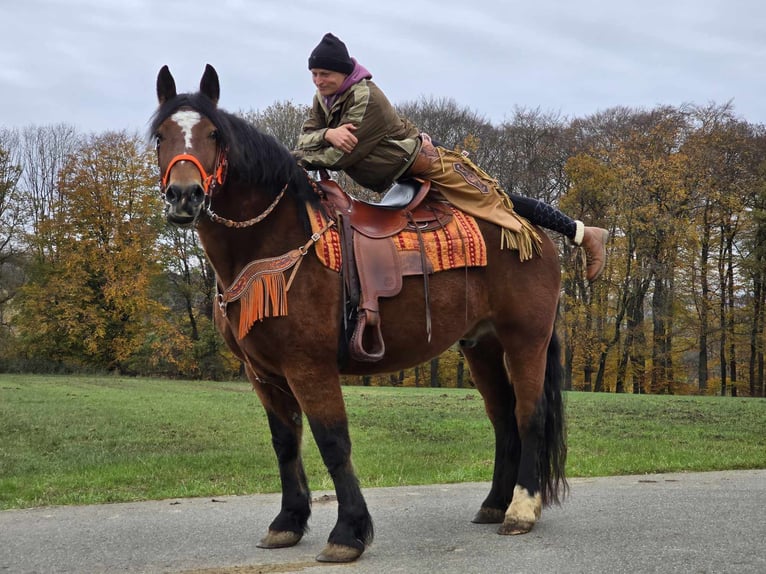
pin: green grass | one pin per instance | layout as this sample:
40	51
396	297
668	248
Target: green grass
83	440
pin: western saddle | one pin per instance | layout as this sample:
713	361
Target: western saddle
372	265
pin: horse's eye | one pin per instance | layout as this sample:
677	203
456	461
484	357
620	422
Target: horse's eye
157	139
214	135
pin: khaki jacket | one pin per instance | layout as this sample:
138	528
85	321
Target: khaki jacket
387	143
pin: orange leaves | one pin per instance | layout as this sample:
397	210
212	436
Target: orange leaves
91	302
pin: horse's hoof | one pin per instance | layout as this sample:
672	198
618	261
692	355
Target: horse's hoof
514	527
279	539
339	553
488	516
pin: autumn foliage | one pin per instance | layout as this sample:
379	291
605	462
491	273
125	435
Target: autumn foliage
91	277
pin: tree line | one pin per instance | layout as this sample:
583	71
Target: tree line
92	278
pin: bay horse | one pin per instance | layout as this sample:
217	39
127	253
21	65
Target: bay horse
247	197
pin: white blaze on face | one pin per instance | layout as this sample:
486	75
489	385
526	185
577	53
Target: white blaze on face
186	120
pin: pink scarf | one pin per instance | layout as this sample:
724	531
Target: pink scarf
358	74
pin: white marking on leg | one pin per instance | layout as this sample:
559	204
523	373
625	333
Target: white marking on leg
186	120
524	507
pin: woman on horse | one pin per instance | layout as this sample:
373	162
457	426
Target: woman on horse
354	128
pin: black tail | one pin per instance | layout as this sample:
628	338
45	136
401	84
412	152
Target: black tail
553	451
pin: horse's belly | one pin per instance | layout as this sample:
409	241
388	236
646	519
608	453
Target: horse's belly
457	303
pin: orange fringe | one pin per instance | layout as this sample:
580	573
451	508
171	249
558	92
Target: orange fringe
266	296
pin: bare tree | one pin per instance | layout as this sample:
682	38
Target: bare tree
283	120
43	152
535	148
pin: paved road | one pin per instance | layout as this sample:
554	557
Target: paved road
686	523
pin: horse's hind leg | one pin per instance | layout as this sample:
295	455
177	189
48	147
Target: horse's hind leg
519	377
535	372
485	359
285	422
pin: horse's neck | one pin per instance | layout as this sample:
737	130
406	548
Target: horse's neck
230	249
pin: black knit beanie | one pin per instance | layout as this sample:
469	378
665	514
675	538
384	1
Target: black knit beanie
331	54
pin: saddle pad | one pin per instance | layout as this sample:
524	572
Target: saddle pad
457	244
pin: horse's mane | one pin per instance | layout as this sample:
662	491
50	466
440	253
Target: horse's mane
254	157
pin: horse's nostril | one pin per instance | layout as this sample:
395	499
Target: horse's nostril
172	194
198	195
192	195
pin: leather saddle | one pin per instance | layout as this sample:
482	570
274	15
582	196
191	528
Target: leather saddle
372	265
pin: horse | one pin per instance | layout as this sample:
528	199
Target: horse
248	196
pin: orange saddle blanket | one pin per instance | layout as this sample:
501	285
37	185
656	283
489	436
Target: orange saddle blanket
457	244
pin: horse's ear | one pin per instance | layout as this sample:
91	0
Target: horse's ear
166	85
209	85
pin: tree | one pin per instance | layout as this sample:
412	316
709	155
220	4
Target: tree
754	267
189	294
283	120
88	301
43	151
535	148
593	184
447	123
11	227
723	177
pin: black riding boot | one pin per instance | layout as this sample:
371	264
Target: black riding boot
592	239
546	216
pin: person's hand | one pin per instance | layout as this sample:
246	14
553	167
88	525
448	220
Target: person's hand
342	137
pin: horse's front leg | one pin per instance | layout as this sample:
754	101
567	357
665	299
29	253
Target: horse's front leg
285	422
326	413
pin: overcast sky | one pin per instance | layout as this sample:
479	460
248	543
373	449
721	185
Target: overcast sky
93	63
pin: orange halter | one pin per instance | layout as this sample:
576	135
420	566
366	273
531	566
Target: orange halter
209	182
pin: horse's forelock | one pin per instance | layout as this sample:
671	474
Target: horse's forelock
197	102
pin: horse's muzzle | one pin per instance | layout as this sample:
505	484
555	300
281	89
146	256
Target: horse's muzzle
183	203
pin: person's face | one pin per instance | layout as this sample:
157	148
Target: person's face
327	82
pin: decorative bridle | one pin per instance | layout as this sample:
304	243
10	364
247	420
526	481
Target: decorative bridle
215	180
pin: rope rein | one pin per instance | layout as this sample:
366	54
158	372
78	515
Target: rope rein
250	222
258	218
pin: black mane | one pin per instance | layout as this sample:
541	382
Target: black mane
254	157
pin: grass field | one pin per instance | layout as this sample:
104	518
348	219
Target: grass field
83	440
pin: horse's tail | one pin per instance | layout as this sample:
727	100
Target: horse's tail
553	455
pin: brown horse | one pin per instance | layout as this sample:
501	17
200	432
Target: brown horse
247	197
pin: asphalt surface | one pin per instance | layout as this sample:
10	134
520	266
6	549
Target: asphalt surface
688	523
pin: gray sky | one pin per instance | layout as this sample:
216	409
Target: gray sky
93	63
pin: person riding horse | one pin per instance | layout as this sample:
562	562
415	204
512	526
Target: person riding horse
354	128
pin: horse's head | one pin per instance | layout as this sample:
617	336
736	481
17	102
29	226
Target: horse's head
191	157
198	144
